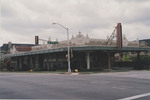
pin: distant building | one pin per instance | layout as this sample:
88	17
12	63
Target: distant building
81	40
78	40
145	42
13	48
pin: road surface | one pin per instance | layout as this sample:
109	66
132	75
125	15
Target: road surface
134	85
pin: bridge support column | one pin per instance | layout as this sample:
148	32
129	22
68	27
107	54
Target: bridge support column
110	60
88	60
20	63
36	60
31	62
138	56
15	63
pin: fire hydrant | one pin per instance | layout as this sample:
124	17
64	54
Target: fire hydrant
76	70
30	70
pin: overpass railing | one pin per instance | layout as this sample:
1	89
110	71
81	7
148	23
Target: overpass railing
78	48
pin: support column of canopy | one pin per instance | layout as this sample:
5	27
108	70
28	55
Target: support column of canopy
36	62
31	62
138	56
20	63
110	60
88	60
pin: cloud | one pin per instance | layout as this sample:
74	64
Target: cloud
25	18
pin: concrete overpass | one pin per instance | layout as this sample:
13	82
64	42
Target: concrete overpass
84	57
80	48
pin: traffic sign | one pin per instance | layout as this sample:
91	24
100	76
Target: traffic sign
52	42
36	40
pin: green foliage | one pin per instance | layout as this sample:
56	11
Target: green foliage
144	58
126	58
92	69
143	62
38	69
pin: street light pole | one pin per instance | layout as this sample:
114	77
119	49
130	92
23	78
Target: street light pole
68	46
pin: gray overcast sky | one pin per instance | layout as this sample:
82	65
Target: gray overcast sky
21	20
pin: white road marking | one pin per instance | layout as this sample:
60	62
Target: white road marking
135	97
121	88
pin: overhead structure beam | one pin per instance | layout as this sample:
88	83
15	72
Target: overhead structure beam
113	35
118	34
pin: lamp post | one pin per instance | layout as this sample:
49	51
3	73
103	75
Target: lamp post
68	46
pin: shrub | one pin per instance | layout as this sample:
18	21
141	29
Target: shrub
142	63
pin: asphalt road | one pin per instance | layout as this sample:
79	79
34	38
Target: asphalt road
133	85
